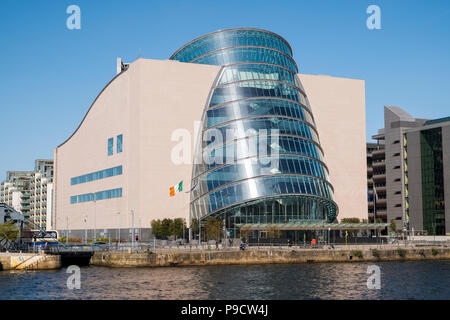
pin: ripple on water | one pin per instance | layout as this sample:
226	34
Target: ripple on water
399	280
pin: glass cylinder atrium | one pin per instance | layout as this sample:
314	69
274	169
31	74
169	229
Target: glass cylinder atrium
261	159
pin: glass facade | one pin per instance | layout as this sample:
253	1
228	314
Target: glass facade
433	200
259	150
102	174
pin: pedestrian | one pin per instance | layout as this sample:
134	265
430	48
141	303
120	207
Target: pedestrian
217	245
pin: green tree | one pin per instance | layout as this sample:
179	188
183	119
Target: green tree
156	228
9	231
166	227
177	227
213	228
393	226
194	226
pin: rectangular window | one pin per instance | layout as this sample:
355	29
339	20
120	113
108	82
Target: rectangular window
102	174
119	143
110	146
101	195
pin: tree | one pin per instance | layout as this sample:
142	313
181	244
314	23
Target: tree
245	233
393	226
166	227
156	228
9	232
273	232
194	226
350	220
177	227
213	228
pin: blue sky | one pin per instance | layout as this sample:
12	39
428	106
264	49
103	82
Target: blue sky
50	75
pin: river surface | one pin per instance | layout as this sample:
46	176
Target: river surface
399	280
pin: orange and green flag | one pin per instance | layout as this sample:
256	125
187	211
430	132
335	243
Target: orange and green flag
176	188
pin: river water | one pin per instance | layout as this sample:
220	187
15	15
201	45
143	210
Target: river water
399	280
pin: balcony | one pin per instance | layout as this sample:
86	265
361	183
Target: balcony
379	176
378	164
378	152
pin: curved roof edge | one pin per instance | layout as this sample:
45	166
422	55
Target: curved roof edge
96	98
231	29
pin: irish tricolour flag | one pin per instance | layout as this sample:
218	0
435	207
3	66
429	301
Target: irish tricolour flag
176	188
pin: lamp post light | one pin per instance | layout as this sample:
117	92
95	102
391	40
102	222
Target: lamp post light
67	229
95	217
118	229
132	228
85	229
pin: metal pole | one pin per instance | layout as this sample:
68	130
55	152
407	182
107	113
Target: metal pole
95	218
67	229
132	227
85	229
118	229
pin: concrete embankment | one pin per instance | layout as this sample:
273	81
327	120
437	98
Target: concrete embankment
29	261
261	256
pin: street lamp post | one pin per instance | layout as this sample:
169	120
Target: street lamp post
85	229
67	229
118	229
132	228
95	217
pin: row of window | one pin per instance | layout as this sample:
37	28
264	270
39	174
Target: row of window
290	209
249	89
247	54
102	174
231	38
256	71
119	148
260	187
255	107
240	149
253	167
101	195
257	126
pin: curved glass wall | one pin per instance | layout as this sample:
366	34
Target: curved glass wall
259	158
256	107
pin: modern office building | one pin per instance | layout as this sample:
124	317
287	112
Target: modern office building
426	157
41	195
376	182
31	192
417	171
227	115
14	190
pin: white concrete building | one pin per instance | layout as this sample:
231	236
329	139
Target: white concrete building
116	169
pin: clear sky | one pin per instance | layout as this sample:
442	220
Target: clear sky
50	75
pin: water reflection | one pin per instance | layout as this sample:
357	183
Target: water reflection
407	280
